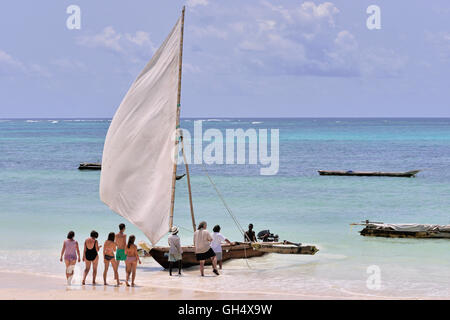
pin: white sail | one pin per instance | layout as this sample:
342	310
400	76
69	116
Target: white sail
137	164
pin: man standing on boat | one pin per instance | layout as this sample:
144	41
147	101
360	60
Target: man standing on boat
203	250
121	241
250	234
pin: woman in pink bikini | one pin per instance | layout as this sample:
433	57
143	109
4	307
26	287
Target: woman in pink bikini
71	252
132	259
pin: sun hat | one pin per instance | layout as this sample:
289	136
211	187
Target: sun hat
174	230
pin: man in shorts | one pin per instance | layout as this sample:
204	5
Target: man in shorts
121	242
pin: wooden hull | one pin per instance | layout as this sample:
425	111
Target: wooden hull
284	248
240	251
408	174
371	232
90	166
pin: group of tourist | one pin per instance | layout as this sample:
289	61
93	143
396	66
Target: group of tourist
115	249
207	246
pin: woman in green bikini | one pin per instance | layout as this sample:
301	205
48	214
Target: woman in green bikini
108	254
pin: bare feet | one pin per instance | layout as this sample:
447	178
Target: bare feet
132	284
105	284
83	283
127	283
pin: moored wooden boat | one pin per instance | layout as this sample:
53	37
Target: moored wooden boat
90	166
240	251
418	231
408	174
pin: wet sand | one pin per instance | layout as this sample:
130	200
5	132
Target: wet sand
26	286
22	286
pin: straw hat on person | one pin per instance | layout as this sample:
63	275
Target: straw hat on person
174	230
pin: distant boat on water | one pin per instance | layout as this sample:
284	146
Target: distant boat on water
410	230
90	166
408	174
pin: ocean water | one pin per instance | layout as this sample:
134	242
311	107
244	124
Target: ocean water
43	196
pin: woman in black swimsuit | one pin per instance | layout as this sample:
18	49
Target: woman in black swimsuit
90	256
109	249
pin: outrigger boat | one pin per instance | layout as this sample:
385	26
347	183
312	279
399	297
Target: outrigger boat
98	166
380	229
90	166
409	174
139	163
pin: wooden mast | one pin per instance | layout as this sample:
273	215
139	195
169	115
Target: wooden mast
172	204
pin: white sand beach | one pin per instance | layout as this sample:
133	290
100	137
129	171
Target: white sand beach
159	286
23	286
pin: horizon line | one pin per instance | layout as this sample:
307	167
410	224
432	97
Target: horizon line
212	117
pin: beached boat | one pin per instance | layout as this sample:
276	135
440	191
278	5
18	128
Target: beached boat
408	174
241	250
421	231
90	166
140	186
238	251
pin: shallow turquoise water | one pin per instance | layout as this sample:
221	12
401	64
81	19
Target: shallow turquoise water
43	196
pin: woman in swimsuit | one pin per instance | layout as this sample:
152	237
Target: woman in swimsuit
90	256
108	254
132	259
71	251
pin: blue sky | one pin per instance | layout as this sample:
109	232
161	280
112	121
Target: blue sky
253	58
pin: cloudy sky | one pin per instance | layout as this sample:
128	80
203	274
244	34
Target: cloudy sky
252	58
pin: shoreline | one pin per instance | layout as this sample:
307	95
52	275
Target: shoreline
25	286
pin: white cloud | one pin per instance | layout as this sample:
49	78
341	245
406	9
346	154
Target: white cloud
136	47
190	68
11	66
194	3
141	38
301	39
346	41
208	31
308	13
380	62
441	41
108	38
66	64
